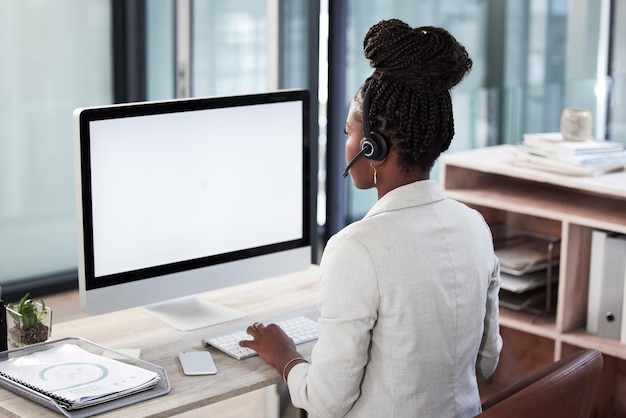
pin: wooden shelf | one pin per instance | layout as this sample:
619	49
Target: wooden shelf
543	326
567	207
490	179
499	160
581	338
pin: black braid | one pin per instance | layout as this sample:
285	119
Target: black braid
410	99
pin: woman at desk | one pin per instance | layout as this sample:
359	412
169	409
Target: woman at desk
408	305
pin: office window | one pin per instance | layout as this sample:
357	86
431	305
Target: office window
616	82
56	56
531	59
231	47
244	47
226	48
466	21
160	50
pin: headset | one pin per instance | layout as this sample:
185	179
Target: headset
373	145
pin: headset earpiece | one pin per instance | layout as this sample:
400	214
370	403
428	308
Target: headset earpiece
377	146
375	141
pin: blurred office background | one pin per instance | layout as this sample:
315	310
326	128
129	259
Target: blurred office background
532	58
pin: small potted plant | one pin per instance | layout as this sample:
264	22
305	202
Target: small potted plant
29	322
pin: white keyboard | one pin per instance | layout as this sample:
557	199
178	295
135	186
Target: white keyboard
300	328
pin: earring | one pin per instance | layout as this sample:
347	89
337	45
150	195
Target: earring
375	173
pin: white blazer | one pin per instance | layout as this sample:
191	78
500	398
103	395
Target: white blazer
409	312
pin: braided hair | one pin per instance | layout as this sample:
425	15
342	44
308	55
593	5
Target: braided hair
414	69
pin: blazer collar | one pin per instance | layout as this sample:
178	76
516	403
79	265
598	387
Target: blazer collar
414	194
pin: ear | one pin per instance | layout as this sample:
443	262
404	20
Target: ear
379	163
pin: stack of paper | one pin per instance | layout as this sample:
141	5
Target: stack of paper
550	152
523	264
528	269
76	378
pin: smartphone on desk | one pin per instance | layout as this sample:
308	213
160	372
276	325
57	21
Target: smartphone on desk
197	363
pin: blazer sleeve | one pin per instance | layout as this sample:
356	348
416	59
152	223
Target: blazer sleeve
491	343
349	298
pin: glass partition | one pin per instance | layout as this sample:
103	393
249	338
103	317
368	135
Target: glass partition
59	55
531	60
56	56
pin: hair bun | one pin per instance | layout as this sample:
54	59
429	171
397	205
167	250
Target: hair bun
426	59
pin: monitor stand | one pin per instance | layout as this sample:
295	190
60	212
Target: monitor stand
190	313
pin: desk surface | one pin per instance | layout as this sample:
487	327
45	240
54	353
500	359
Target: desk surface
266	301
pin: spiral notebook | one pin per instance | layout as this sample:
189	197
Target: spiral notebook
76	378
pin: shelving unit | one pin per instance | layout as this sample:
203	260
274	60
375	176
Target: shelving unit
566	207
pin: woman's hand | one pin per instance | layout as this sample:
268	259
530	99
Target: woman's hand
272	345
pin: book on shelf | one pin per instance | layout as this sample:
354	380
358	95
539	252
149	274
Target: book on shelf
76	378
523	157
555	143
607	270
591	158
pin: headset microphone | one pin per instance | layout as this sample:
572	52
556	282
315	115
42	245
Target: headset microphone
365	149
374	145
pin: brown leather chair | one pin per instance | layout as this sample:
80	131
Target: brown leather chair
565	388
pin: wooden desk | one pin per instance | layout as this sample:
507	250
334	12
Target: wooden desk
265	301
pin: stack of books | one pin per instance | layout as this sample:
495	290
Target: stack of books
550	152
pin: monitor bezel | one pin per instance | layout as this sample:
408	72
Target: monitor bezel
84	116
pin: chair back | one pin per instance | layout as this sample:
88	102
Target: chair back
565	388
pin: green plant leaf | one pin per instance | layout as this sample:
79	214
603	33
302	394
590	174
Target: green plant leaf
31	314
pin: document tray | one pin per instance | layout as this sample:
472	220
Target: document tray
161	388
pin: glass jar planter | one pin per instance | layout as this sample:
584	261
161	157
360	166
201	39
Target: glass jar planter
29	328
576	124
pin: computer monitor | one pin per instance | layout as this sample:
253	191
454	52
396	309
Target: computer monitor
181	197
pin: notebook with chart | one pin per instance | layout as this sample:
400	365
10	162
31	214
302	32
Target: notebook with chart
75	377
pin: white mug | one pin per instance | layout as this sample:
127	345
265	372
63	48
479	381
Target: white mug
576	124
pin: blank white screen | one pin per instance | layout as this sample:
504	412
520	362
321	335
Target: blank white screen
180	186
